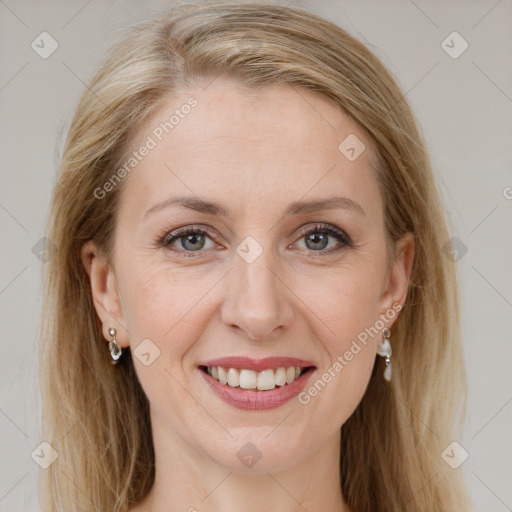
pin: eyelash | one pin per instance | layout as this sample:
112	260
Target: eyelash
168	238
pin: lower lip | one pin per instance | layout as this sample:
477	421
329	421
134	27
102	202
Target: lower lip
254	400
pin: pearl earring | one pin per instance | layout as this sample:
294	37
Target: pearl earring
115	350
384	350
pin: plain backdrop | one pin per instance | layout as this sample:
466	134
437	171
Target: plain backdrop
463	103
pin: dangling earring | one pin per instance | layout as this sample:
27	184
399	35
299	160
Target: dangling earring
384	350
115	350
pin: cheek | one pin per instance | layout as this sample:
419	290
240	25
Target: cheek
165	305
347	311
339	385
162	310
345	300
350	341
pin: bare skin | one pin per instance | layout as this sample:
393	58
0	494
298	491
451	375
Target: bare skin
255	154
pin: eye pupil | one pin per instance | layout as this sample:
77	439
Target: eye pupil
193	238
316	238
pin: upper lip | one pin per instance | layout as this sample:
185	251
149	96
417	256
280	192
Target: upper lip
247	363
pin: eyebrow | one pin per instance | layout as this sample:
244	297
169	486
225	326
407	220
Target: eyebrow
295	208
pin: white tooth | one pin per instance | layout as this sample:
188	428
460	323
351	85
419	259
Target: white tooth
266	380
233	377
281	376
209	370
223	376
248	379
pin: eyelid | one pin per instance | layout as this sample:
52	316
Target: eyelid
319	227
179	232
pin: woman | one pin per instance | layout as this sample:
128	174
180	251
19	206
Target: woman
248	227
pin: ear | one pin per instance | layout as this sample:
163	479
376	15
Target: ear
104	291
397	285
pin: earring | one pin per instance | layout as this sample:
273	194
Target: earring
384	350
115	350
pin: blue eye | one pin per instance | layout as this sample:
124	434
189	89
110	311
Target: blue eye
317	238
193	239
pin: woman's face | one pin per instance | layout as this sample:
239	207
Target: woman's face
251	280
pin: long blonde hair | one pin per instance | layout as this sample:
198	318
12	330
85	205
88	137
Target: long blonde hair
96	416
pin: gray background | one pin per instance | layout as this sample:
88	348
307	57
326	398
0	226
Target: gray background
464	105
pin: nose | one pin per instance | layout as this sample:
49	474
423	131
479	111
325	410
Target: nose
257	302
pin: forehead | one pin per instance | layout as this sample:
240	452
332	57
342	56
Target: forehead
239	143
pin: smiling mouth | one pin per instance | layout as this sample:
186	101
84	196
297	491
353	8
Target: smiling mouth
256	381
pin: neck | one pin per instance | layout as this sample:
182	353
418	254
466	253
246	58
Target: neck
190	480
